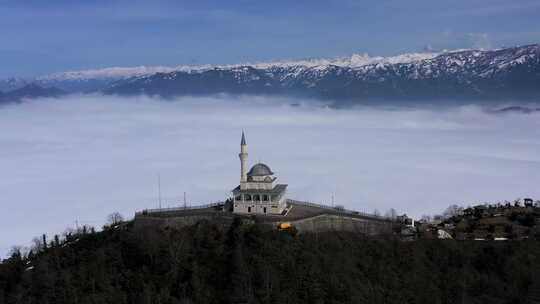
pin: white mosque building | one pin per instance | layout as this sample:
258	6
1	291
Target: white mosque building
258	192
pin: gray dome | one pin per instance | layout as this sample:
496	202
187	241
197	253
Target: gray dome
260	169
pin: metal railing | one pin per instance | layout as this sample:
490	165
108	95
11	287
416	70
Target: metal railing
175	209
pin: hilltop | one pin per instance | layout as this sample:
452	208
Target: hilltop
250	263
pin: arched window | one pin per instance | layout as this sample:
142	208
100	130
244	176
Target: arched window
238	198
256	197
247	197
265	198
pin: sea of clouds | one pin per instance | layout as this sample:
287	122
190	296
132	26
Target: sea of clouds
80	158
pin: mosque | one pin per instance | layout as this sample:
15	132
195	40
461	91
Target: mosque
258	192
260	198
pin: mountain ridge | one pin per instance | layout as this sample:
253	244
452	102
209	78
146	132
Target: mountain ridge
29	91
469	74
463	75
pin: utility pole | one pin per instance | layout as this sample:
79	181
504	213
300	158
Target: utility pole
185	203
332	199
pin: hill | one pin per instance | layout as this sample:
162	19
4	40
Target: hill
501	221
245	263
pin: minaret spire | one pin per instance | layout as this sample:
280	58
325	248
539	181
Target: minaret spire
243	159
243	142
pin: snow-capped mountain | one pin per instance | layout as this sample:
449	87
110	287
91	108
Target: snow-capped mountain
87	81
111	73
511	73
90	80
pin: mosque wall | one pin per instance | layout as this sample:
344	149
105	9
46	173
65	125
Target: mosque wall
320	223
330	222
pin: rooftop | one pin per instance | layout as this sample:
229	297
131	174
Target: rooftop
260	169
279	188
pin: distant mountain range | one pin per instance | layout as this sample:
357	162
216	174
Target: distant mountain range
29	91
507	74
516	109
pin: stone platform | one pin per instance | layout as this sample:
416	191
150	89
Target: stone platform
303	216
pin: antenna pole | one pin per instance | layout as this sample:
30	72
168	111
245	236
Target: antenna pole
159	189
332	199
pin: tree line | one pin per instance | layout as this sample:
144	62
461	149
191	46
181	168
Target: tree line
251	263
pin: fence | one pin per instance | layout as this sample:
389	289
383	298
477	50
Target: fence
161	210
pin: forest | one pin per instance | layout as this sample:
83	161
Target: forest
253	263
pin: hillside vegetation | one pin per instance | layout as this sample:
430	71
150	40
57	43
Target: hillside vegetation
495	221
207	263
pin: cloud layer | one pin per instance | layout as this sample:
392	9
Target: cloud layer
81	158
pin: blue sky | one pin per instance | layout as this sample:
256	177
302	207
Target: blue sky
40	37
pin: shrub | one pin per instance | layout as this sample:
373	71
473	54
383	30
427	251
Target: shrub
526	219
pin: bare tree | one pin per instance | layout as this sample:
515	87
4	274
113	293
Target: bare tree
16	251
453	210
19	250
114	218
68	234
37	245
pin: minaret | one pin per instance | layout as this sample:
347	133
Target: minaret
243	159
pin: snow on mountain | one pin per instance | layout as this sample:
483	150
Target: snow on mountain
465	75
355	60
462	74
110	73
